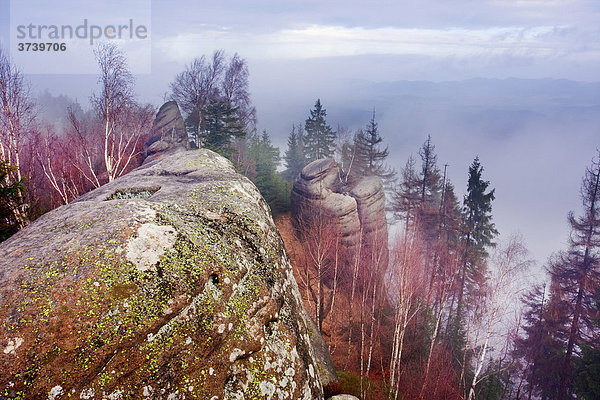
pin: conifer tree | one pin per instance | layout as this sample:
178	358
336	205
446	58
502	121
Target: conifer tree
421	192
268	181
319	140
294	157
430	192
449	215
478	232
477	212
430	184
219	127
587	375
368	156
405	197
539	348
576	274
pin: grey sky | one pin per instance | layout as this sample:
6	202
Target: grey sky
553	38
348	53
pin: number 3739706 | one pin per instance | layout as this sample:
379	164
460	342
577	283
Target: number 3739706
25	46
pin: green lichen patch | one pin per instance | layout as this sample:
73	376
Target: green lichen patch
212	316
134	193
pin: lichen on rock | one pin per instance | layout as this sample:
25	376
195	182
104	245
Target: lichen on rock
146	250
185	292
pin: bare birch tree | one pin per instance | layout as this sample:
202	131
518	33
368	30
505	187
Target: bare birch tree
407	283
497	291
16	117
124	122
207	80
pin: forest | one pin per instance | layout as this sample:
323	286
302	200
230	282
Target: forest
436	314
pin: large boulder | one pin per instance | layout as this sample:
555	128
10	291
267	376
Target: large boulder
168	283
354	207
168	131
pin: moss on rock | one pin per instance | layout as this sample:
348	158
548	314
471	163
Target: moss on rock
212	314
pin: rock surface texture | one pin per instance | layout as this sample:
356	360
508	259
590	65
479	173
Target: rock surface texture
168	130
168	283
354	208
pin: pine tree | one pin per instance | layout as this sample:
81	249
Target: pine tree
576	273
219	126
587	374
430	184
405	198
192	123
478	232
477	212
319	140
540	346
430	192
268	181
368	156
294	157
449	215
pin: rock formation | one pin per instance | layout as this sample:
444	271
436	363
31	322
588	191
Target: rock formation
170	282
168	130
356	207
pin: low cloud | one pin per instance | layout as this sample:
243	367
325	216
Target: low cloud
554	44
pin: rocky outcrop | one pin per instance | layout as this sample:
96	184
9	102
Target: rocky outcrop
168	130
168	283
356	207
323	362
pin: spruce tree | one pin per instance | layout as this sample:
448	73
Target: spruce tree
478	232
576	274
539	347
268	181
319	140
430	183
294	157
587	374
405	197
477	213
430	192
219	126
368	156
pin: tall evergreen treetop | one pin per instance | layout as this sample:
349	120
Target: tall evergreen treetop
431	185
319	140
219	126
405	198
477	211
478	234
294	157
270	183
369	157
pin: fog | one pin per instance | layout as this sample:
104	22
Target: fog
421	70
534	137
